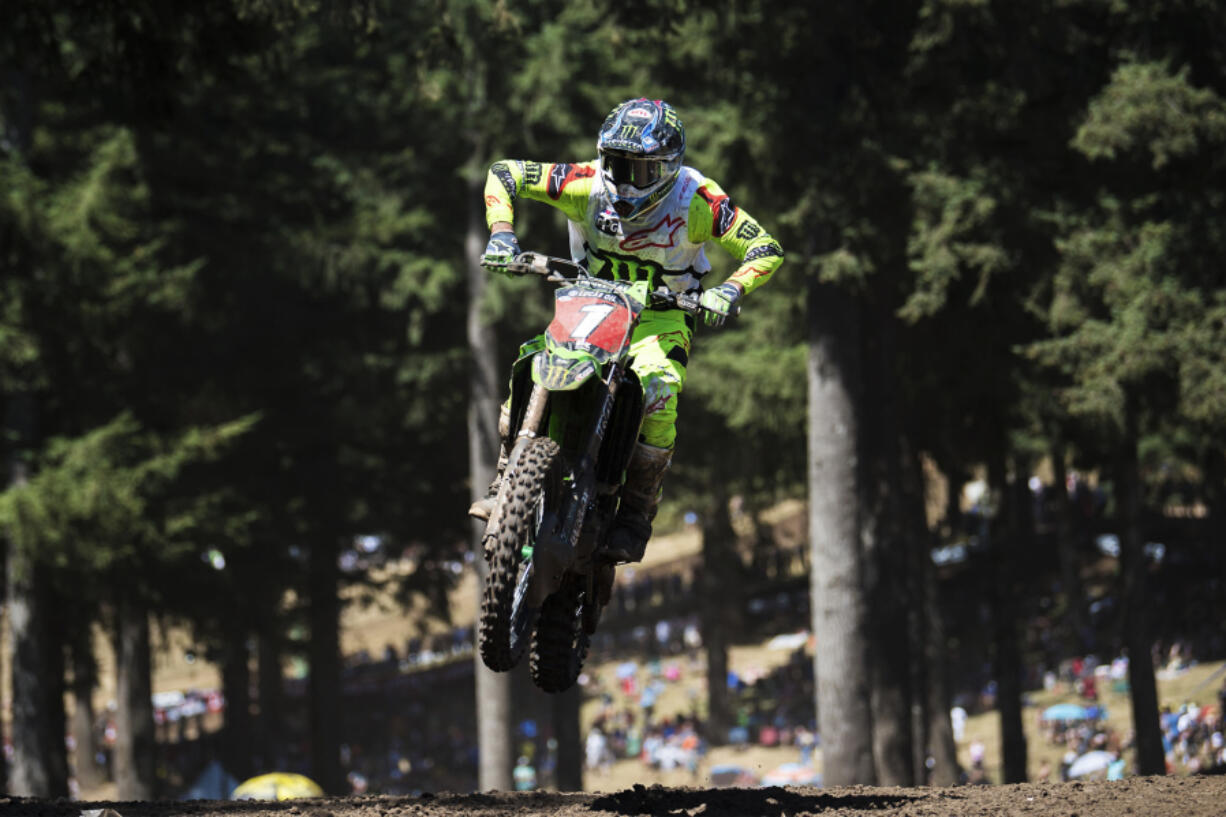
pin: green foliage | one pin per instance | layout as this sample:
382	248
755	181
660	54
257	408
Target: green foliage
1146	107
943	246
111	501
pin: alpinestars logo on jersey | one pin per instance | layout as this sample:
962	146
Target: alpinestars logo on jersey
662	234
563	174
723	211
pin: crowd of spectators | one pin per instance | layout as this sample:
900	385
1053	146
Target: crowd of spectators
1192	736
769	708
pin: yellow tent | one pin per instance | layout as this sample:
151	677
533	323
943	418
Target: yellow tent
277	786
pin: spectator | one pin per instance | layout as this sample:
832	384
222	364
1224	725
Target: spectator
524	775
957	718
805	740
977	751
596	751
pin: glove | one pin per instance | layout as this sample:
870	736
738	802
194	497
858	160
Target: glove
503	247
720	302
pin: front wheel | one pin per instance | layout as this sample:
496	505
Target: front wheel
506	616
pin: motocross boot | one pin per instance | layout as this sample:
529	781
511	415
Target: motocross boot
482	508
640	500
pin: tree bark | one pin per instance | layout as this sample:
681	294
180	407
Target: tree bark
134	742
325	679
493	689
1134	597
840	616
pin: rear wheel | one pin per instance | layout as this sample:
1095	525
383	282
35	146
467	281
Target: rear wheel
560	645
506	617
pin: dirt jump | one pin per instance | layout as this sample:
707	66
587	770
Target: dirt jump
1200	796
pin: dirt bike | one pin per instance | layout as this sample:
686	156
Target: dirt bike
576	407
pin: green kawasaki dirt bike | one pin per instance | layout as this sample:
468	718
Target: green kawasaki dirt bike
576	408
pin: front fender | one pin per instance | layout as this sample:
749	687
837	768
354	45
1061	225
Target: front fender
562	372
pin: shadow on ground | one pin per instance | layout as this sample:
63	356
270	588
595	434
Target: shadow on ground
768	802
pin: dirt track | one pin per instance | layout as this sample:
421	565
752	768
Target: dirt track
1135	797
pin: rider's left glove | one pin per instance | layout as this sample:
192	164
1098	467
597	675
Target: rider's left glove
503	247
720	302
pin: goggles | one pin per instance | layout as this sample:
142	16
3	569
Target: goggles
636	171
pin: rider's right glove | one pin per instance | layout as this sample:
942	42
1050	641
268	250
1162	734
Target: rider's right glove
503	247
720	302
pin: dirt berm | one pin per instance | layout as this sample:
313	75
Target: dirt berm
1203	796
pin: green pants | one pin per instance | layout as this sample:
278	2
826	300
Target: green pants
661	350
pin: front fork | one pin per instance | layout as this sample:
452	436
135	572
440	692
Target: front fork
556	549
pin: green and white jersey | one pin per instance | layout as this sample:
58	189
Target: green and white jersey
654	245
663	245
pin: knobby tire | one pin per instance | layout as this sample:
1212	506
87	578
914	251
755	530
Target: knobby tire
503	639
560	644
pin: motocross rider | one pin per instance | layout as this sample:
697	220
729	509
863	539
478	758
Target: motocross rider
637	212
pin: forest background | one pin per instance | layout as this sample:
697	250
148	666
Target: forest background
240	315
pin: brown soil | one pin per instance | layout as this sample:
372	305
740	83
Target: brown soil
1136	797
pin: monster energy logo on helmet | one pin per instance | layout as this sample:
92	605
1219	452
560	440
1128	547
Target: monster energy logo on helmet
641	146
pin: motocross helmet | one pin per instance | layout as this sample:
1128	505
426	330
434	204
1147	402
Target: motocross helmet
641	145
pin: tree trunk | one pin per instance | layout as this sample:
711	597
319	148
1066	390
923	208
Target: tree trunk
1134	597
84	681
840	616
37	739
271	692
885	536
134	742
493	689
570	744
918	538
236	689
325	680
940	743
718	602
1068	547
1008	664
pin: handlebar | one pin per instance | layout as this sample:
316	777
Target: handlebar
553	269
